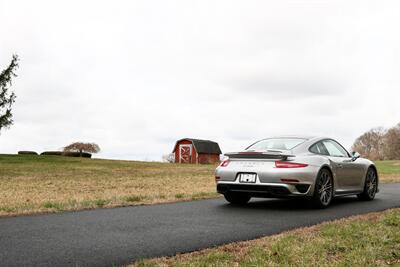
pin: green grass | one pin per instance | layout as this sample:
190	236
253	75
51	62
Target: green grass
134	198
179	196
388	166
389	170
53	205
100	202
368	240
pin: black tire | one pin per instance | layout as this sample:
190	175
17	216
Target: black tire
370	185
323	192
236	198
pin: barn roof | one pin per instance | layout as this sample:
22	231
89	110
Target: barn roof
203	146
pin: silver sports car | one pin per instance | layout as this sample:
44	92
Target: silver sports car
315	167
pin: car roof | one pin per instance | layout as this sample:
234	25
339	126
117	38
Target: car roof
303	146
307	137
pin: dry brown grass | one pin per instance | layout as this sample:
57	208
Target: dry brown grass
389	178
32	184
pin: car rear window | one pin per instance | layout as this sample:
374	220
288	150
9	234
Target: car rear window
319	148
276	143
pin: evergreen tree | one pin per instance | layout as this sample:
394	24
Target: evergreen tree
7	97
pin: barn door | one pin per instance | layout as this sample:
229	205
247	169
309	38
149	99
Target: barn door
185	153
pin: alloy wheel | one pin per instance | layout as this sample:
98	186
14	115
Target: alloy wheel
325	188
371	183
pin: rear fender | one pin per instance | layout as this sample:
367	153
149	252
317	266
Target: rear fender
328	167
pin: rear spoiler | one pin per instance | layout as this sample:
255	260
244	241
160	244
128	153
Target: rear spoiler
258	155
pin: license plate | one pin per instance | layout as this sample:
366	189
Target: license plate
247	178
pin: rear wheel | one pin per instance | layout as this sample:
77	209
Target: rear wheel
236	198
323	191
370	186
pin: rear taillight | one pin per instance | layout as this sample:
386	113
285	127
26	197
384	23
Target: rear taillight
224	163
287	164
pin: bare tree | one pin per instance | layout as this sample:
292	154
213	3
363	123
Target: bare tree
379	143
7	98
169	158
82	147
391	148
371	144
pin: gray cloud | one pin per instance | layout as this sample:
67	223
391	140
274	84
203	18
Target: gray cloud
273	89
136	76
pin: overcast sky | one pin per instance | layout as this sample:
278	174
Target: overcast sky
135	76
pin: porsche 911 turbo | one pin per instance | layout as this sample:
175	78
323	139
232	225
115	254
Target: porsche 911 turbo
318	168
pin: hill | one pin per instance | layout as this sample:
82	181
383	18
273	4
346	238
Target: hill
33	184
51	183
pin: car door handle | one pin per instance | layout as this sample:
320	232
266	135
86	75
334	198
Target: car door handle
340	165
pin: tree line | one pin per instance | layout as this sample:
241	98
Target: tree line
379	143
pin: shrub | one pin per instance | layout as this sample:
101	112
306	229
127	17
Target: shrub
53	205
86	155
100	202
66	154
27	153
133	198
51	153
170	158
76	154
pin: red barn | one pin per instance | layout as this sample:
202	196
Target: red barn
190	150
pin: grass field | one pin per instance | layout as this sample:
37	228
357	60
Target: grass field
364	240
389	170
32	184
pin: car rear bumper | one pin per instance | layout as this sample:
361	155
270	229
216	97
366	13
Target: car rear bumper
266	173
266	189
270	181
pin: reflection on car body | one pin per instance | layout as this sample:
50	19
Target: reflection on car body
315	167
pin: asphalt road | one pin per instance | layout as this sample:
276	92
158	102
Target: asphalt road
107	237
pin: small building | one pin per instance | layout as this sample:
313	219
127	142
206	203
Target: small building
189	150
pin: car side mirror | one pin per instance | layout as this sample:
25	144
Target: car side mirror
355	155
